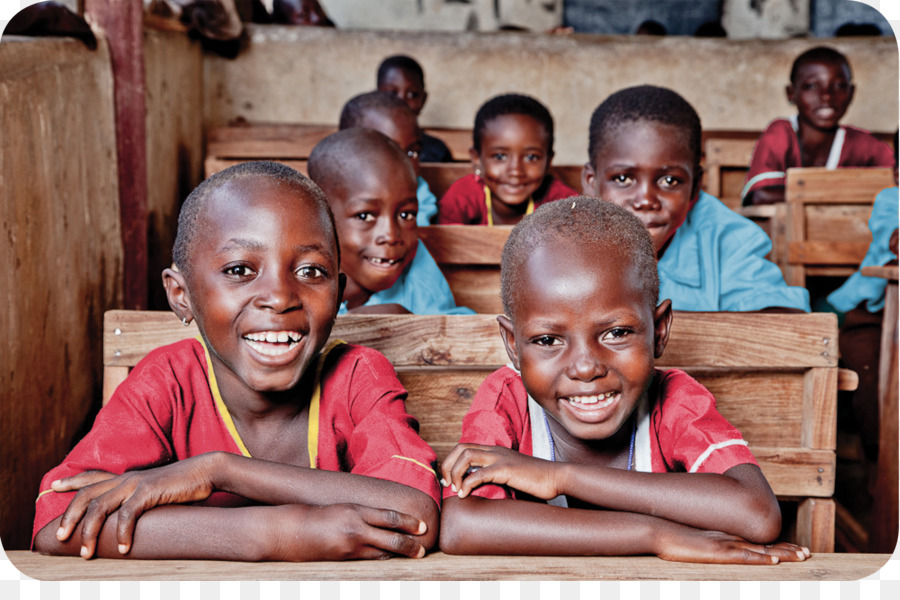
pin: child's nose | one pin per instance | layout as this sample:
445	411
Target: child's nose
388	231
586	364
645	197
278	291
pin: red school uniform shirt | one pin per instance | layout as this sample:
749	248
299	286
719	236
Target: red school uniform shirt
778	149
678	429
464	202
170	409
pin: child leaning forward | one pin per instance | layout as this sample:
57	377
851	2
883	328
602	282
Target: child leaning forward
255	441
573	447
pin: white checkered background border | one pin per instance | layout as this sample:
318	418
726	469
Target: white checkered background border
883	585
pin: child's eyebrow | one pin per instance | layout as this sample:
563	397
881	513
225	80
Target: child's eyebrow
255	246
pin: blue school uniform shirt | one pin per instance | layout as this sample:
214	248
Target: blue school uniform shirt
716	262
427	204
421	289
857	288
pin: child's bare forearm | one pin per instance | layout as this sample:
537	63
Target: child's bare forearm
189	532
476	525
278	483
739	502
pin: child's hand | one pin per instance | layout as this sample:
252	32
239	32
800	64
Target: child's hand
495	464
343	532
892	243
131	494
686	544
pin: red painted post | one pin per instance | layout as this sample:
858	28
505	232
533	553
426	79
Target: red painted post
121	23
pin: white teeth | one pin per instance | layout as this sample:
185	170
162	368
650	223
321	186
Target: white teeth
384	261
255	341
600	400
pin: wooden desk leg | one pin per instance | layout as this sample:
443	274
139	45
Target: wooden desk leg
883	536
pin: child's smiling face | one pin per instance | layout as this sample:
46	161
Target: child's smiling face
514	157
375	213
822	92
584	335
263	283
648	168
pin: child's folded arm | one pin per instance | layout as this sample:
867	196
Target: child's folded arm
194	479
739	502
290	532
480	526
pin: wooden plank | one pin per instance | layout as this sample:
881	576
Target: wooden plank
815	524
820	409
440	566
267	140
213	164
122	25
709	339
475	286
836	186
838	222
827	253
440	176
465	244
797	472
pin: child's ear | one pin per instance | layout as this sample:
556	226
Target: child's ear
589	182
789	90
662	324
177	293
476	160
509	340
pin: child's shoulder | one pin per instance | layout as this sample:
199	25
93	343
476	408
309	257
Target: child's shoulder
181	357
554	189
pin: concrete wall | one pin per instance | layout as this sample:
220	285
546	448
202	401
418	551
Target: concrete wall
61	257
174	101
304	74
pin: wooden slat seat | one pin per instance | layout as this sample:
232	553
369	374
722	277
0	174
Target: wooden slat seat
775	377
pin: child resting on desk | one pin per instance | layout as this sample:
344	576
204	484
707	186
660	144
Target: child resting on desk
371	187
284	448
583	421
385	113
512	146
644	150
403	77
821	87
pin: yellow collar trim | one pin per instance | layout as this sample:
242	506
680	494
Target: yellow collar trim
313	430
487	203
220	404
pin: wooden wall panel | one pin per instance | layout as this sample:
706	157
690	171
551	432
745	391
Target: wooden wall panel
174	102
61	251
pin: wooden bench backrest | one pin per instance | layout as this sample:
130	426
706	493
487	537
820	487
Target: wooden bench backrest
822	228
727	160
469	258
775	376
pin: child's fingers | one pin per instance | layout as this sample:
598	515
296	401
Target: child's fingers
386	532
74	513
450	460
787	552
94	518
468	457
76	482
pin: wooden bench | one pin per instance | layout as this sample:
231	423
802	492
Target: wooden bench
288	142
469	258
775	377
726	157
822	227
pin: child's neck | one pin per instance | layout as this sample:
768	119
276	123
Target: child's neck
815	145
355	295
504	214
610	452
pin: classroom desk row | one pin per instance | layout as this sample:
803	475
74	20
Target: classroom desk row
440	566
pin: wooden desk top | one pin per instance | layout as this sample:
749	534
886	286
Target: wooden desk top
887	272
439	566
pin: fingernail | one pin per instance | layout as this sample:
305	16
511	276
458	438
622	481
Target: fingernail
60	534
801	554
84	552
55	482
806	551
422	527
123	549
421	552
459	493
443	482
774	560
453	487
